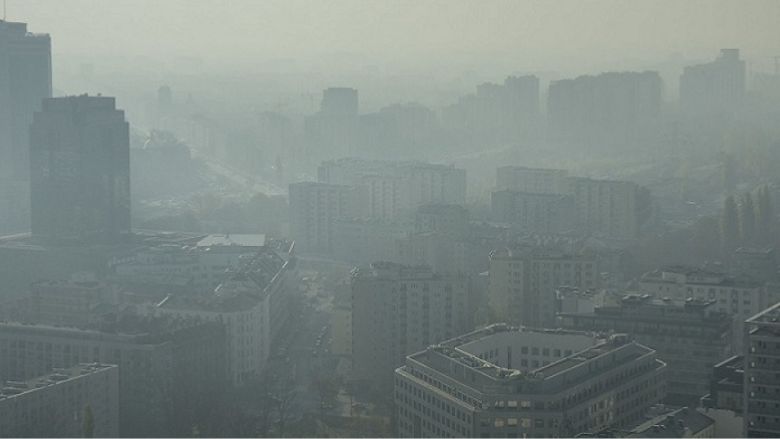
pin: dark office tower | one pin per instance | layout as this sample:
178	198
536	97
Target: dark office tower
714	87
80	170
25	79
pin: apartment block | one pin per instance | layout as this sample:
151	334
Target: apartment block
533	212
314	208
477	385
524	280
397	310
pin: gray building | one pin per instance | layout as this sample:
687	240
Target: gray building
690	336
53	404
167	370
762	381
714	87
485	384
25	79
80	170
397	310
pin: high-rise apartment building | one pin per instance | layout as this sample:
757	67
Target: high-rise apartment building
314	209
689	336
508	382
599	207
397	310
80	170
610	109
524	279
714	87
498	114
534	180
533	212
607	207
762	379
25	79
395	187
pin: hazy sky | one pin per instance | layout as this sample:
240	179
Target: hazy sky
404	30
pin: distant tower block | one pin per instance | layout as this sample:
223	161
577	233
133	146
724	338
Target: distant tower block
164	99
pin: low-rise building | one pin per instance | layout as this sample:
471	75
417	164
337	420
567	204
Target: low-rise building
160	361
55	404
676	423
477	385
253	304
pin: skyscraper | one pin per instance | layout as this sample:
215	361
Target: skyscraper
80	169
25	79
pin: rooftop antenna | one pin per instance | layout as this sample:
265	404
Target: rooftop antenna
4	5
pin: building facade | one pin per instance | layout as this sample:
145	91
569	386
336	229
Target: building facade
524	279
158	364
400	309
80	170
689	336
53	404
762	382
477	386
25	80
314	209
714	87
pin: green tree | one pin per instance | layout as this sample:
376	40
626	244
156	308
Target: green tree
87	421
729	227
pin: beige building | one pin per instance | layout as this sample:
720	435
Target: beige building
52	405
524	279
477	385
400	309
